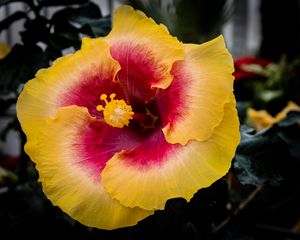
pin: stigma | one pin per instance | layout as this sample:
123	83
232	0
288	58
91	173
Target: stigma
116	113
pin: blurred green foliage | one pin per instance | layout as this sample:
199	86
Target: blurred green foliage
191	21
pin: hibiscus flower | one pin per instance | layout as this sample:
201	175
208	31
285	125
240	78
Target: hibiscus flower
130	121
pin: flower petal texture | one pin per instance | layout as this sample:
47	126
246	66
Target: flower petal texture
202	84
75	79
70	178
157	170
129	121
145	51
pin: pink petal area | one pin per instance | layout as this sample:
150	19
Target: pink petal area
98	142
145	51
75	79
138	71
153	151
70	152
193	106
86	93
156	170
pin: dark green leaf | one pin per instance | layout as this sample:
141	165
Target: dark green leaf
93	27
202	20
88	20
189	20
20	65
252	143
256	158
291	119
90	11
60	40
66	33
53	52
268	155
253	172
289	132
193	219
291	136
64	36
11	19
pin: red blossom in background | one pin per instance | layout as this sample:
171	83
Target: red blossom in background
250	67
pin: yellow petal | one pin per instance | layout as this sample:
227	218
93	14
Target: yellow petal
181	173
52	87
260	119
138	35
4	50
291	106
70	183
202	84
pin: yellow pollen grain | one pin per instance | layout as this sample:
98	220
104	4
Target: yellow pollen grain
116	113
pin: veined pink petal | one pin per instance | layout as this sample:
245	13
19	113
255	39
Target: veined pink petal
146	53
86	93
193	106
97	142
153	151
156	171
70	152
75	79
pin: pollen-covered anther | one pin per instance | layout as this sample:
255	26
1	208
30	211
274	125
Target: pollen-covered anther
116	113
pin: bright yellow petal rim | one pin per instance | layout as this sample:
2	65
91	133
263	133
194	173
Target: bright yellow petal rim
43	95
207	71
67	184
123	195
134	27
194	166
